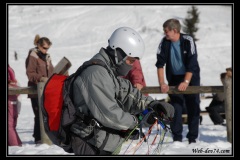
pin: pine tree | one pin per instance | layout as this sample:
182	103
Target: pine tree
191	21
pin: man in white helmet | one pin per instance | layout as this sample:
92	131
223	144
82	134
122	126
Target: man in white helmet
100	93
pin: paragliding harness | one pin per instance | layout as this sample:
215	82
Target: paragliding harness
59	113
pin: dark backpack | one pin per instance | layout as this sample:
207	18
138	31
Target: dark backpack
58	109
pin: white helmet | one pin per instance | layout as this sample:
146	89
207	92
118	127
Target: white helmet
128	40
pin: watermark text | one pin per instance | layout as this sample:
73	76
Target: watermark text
208	150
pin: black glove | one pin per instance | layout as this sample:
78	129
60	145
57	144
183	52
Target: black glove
163	109
149	117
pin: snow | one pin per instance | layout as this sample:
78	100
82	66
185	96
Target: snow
79	31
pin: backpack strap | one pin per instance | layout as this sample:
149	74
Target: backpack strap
87	119
81	68
85	65
68	91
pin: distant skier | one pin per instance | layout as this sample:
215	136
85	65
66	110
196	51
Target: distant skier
15	55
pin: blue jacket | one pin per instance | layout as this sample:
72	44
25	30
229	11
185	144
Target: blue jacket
189	57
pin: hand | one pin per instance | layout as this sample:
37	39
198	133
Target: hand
138	86
164	88
183	86
12	84
43	79
163	109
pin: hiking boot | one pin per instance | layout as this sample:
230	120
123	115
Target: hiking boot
191	141
38	142
224	124
177	140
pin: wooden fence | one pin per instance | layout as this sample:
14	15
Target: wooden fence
226	88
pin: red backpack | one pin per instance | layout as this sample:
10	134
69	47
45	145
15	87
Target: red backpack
53	101
59	111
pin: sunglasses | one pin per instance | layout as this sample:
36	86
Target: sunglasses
45	48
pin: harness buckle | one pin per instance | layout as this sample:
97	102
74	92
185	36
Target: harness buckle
93	123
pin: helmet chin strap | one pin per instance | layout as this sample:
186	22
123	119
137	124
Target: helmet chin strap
117	59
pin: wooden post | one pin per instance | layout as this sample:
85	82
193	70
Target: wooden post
44	136
228	103
62	67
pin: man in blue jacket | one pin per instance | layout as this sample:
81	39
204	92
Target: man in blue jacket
178	51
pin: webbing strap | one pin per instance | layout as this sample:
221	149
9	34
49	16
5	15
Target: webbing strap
88	120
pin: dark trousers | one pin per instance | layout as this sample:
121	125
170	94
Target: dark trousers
193	112
36	130
192	102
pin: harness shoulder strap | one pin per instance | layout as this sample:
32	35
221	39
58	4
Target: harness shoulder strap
85	118
68	86
85	65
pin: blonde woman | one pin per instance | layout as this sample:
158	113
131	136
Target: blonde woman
38	69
